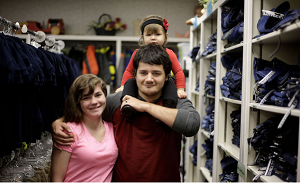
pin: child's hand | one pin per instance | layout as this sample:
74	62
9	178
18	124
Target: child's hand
119	89
181	93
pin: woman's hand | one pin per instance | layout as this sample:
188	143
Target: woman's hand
61	134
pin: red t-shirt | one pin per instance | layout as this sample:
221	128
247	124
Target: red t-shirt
176	68
148	151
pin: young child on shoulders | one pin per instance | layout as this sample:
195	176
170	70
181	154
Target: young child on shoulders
154	31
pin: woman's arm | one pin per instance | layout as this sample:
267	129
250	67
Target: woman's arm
59	164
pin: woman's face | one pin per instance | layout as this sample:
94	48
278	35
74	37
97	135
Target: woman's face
94	104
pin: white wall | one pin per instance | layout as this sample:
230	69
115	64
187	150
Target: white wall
77	14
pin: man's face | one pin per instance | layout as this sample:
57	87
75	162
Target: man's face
150	80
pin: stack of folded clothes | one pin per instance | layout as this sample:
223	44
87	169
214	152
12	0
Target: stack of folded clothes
276	82
209	86
194	53
232	22
208	120
211	46
277	18
236	125
232	82
229	166
277	149
208	147
193	150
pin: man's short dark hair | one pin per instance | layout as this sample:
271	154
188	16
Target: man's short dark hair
153	55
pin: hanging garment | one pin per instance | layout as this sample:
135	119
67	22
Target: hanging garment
104	62
90	62
35	83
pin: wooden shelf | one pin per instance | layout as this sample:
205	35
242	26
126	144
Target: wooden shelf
231	100
287	35
230	149
206	174
273	178
205	133
275	109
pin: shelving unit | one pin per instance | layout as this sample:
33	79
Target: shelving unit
251	112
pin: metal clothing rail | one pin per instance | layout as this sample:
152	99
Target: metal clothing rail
39	36
9	24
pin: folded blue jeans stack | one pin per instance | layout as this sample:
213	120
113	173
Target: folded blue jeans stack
208	147
236	125
193	54
193	150
272	22
276	82
232	81
278	147
229	166
232	22
209	86
211	46
208	121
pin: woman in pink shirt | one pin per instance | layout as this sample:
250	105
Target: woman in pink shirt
92	155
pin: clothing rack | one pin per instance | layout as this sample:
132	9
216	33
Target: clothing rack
40	37
44	81
14	26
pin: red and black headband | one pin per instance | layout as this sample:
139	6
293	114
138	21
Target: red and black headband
163	23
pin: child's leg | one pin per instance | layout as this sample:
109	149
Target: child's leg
169	94
130	88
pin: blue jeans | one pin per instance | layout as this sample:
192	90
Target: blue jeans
267	24
231	15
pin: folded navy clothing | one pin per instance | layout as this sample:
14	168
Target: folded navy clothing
267	24
209	165
229	164
237	34
280	87
230	59
194	53
211	46
232	14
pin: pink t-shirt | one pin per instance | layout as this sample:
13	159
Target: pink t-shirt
91	161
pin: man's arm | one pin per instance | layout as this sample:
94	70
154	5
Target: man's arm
112	103
58	134
185	119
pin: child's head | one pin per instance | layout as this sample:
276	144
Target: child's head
78	90
152	55
154	25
